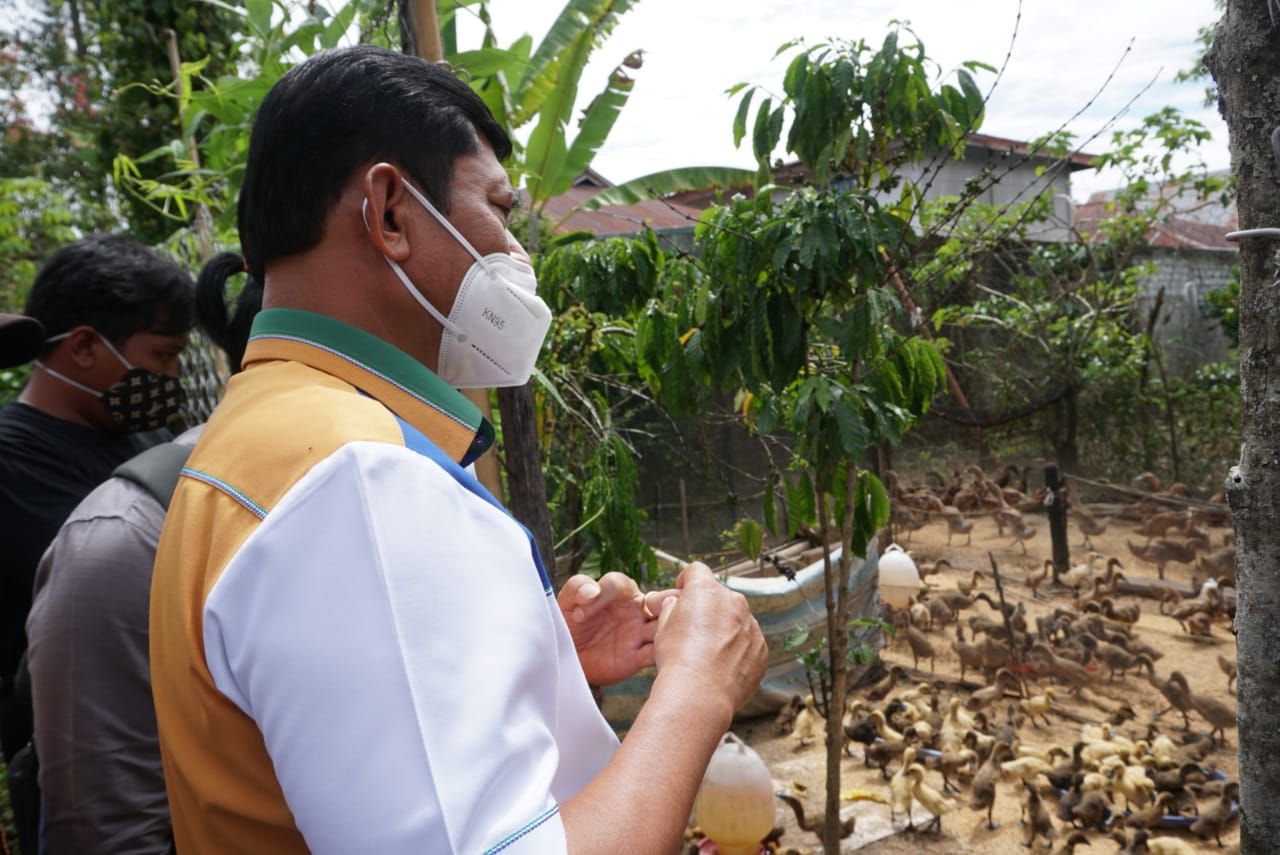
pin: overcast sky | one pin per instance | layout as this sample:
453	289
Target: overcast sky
678	114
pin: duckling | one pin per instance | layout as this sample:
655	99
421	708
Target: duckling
932	800
957	716
887	733
1039	822
1161	551
1152	813
957	524
1091	809
940	614
1228	667
1124	614
1219	715
920	646
1025	768
1080	573
1175	691
1063	773
1070	842
927	569
1143	842
785	720
956	763
1036	578
808	725
983	792
970	585
982	698
882	752
816	823
900	789
881	689
1022	532
1089	525
862	730
1039	705
1214	818
1131	783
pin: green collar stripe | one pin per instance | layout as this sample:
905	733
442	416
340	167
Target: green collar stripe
371	354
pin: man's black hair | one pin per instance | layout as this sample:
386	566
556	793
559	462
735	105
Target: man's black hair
332	114
114	284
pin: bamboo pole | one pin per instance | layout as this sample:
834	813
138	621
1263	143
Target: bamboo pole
426	32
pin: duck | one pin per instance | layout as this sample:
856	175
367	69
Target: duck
1219	715
1175	691
957	524
878	691
1036	578
808	724
1214	817
956	763
900	788
1022	532
920	646
1228	667
1070	842
1025	769
970	585
1144	844
1089	525
1152	813
1039	822
1161	551
814	823
983	791
1080	573
932	800
1157	525
1124	614
1039	705
886	732
940	614
927	569
982	698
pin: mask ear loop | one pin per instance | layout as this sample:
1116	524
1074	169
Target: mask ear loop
431	209
413	289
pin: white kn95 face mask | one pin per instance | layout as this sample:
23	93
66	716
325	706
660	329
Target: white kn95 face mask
495	330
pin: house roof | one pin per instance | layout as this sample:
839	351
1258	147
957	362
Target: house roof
1195	224
1075	161
656	214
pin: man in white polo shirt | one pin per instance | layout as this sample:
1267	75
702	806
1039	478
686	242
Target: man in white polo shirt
354	647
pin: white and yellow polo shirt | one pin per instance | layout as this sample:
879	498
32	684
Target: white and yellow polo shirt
354	648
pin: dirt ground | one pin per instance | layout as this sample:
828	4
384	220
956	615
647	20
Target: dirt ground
802	769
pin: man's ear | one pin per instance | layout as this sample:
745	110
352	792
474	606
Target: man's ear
82	345
386	210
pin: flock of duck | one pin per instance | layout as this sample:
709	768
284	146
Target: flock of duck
942	745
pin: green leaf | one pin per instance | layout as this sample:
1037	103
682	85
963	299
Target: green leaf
597	121
749	538
661	184
800	504
486	62
259	12
740	119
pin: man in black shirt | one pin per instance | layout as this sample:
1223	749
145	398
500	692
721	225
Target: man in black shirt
113	317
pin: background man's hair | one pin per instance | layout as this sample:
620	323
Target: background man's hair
114	284
227	327
337	111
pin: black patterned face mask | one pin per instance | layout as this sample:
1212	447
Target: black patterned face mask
144	400
140	400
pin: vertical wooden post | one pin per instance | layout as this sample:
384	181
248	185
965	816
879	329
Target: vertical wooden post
684	518
1057	520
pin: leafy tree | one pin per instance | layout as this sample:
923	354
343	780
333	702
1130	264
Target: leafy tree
83	58
790	307
1062	334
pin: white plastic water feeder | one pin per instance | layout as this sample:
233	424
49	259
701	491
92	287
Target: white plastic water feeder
899	577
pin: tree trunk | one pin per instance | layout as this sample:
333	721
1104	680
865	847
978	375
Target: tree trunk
1245	62
839	606
526	488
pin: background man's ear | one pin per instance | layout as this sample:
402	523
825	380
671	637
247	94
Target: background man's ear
83	343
